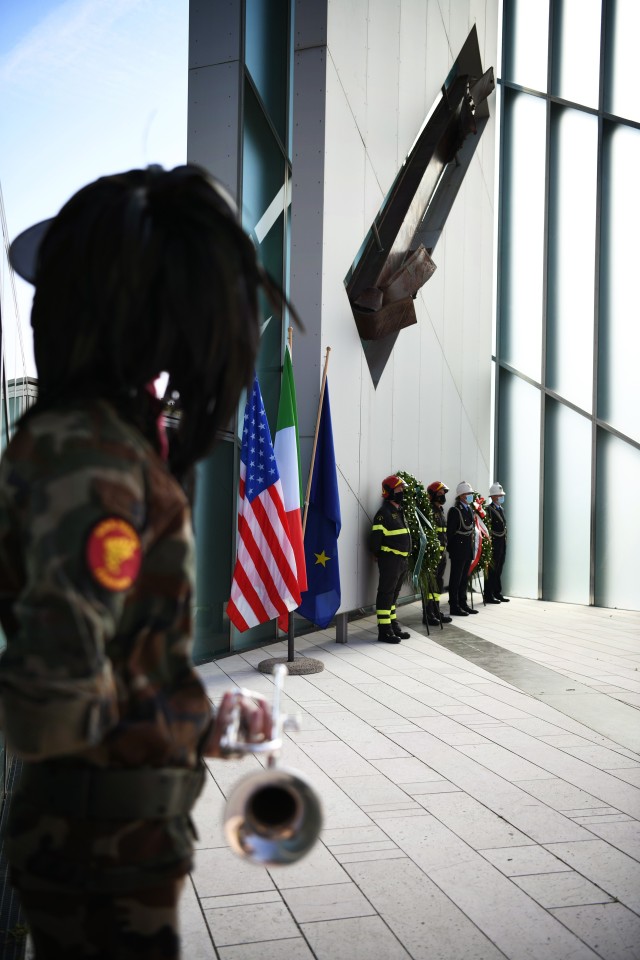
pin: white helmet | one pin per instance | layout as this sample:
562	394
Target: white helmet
495	490
463	487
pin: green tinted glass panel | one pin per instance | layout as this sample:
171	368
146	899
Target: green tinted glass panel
621	95
518	467
264	204
576	51
526	51
522	234
572	239
567	504
266	56
215	515
618	479
619	329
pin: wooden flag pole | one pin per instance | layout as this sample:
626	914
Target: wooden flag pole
315	441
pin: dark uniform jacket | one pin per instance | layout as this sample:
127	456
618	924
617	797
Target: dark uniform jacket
460	528
96	572
497	521
440	525
389	533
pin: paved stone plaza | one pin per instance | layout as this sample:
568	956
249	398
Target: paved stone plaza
481	793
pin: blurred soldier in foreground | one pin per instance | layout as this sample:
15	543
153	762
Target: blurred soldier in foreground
140	273
437	492
498	527
460	526
390	543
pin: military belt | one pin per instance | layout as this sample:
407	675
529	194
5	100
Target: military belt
88	793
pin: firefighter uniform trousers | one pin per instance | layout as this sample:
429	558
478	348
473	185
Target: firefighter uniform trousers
390	542
432	608
393	570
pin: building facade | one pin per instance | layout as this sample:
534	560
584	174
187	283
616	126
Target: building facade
307	112
568	393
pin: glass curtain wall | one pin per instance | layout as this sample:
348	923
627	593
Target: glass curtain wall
568	337
265	205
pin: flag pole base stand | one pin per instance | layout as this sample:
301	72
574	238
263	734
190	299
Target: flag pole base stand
297	667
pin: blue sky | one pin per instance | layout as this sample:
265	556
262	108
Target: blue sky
87	87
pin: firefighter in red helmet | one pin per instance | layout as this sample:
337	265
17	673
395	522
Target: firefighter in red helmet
390	543
437	493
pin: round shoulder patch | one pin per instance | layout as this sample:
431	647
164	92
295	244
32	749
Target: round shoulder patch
114	554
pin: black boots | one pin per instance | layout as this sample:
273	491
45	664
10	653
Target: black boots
398	631
386	635
457	612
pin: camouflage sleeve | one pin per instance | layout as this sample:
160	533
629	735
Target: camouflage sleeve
75	516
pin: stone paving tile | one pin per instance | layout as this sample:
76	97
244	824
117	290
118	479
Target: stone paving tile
599	782
448	730
250	924
337	839
537	821
484	894
406	770
422	917
472	822
193	927
625	836
331	902
522	861
338	760
562	889
432	786
602	758
359	938
318	868
561	795
629	776
376	789
400	703
504	762
610	929
605	866
294	949
222	872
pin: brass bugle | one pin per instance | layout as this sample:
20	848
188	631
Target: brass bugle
272	817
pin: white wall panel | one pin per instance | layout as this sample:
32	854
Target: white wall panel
430	412
347	41
412	92
439	54
383	68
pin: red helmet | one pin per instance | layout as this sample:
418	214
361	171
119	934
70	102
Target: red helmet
391	484
437	487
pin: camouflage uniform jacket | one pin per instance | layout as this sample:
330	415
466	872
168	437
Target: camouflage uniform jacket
96	560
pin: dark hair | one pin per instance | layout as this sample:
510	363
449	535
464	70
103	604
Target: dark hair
146	272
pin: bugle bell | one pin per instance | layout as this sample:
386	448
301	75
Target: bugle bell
272	817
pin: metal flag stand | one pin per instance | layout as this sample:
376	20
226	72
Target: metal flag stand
299	666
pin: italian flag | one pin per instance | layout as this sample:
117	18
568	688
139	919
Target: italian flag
287	451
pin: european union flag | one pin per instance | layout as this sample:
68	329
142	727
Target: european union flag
322	599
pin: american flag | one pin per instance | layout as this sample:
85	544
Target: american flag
265	583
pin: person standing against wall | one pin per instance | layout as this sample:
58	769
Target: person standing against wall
390	543
460	525
437	493
140	273
498	527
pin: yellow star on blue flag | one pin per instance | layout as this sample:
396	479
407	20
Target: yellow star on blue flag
322	599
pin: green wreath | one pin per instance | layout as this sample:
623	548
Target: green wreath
486	554
415	496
